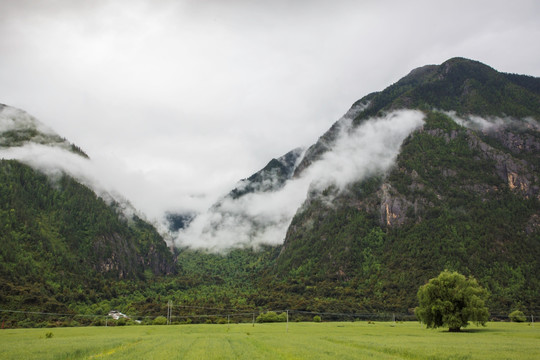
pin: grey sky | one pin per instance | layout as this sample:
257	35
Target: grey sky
186	97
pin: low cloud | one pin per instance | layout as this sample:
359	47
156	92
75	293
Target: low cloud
55	161
491	123
12	119
263	217
260	217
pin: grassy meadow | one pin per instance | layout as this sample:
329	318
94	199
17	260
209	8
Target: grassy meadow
358	340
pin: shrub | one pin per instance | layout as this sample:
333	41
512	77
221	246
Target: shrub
271	316
160	320
317	319
26	323
517	316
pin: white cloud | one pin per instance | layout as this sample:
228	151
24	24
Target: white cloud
263	217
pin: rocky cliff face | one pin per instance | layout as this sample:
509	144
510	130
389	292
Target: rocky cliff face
516	170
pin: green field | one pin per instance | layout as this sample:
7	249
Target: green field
358	340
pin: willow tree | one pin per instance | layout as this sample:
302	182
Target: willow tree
452	300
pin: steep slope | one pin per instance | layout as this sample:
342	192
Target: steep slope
58	237
463	195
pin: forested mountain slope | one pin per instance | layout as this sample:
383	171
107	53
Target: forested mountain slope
59	240
463	195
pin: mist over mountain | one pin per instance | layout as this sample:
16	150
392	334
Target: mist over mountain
463	193
259	210
437	171
61	231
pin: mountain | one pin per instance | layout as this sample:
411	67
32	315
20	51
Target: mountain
60	241
462	195
438	171
381	203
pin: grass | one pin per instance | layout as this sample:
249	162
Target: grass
357	340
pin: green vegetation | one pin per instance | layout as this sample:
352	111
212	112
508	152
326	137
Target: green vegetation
61	244
160	320
452	208
357	340
461	85
452	300
517	316
14	138
271	316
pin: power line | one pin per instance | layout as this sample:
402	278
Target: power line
236	312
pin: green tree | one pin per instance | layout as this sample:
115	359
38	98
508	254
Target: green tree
452	300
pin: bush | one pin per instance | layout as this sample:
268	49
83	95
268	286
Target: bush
317	319
26	324
271	316
98	322
160	320
517	316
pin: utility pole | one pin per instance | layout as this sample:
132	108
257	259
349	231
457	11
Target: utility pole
169	312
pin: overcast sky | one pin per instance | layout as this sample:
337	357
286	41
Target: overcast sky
183	98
